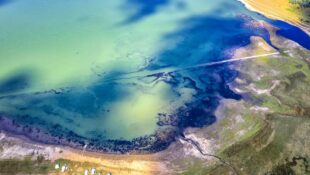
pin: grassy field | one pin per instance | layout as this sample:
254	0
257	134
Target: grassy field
280	146
41	166
25	166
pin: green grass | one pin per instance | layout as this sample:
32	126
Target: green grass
262	149
253	156
288	65
25	166
78	168
41	166
273	104
197	168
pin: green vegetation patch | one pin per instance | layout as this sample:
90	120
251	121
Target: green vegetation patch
25	166
297	165
271	148
295	93
78	168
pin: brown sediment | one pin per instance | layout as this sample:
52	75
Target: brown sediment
17	146
21	146
118	164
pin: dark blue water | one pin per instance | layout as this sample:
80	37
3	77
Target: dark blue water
4	2
205	39
144	8
293	33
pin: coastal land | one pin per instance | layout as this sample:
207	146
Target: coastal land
281	10
267	132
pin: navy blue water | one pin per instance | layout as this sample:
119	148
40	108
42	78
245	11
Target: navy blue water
293	33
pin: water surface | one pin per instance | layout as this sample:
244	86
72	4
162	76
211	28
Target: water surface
67	66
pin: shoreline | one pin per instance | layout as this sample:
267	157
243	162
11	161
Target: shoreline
255	6
139	146
21	146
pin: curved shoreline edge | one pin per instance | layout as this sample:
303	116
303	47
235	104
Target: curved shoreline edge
123	164
275	16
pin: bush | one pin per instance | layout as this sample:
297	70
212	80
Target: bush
301	3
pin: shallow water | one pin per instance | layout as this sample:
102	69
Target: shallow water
81	66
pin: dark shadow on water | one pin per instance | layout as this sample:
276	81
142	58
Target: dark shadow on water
144	8
88	102
4	2
204	39
34	112
14	83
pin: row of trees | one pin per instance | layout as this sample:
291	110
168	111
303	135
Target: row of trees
301	3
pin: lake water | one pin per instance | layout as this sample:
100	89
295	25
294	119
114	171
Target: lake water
79	69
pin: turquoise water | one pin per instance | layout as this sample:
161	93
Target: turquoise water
66	66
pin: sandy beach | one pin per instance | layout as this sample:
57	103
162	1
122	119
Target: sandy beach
278	10
18	146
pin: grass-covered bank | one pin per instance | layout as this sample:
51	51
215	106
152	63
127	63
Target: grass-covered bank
25	166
